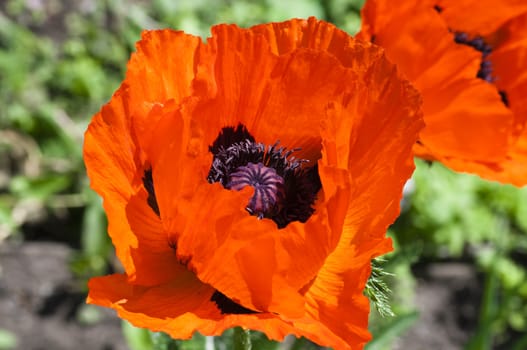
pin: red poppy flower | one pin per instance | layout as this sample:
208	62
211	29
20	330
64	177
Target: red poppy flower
219	224
467	58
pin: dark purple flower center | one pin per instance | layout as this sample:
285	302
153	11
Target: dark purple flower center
284	188
268	187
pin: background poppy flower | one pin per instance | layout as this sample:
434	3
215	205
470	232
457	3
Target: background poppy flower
188	148
467	61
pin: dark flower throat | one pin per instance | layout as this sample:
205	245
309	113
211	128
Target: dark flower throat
284	189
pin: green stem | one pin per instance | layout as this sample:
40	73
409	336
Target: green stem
483	338
241	339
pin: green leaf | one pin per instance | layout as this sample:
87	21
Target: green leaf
377	290
385	336
89	314
483	337
136	338
40	188
162	341
241	339
261	342
283	10
8	340
94	239
304	344
197	342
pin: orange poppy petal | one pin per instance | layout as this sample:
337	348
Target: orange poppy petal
174	308
154	259
379	142
479	17
285	37
508	60
373	145
461	111
113	171
165	64
270	100
453	114
157	309
330	298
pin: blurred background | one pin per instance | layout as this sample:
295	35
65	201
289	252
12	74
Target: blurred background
459	270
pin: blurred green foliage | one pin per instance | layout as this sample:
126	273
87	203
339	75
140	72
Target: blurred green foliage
60	61
450	216
8	340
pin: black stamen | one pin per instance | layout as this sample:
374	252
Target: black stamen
148	182
438	8
284	190
229	136
504	97
477	43
228	306
485	71
300	194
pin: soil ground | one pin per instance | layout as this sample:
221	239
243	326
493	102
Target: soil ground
447	298
39	303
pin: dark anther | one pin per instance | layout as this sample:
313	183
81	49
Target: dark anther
438	8
504	98
284	189
300	193
229	136
228	306
485	71
477	43
148	182
373	38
